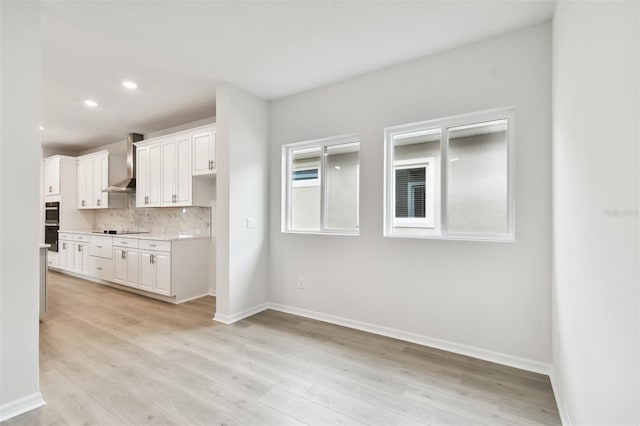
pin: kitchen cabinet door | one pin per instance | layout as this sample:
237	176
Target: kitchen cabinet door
162	263
131	256
155	175
81	258
101	181
147	272
52	176
67	255
119	265
168	172
204	153
63	256
183	175
85	185
142	176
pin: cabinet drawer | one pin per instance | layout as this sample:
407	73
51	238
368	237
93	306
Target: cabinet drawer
101	268
155	245
65	236
101	247
82	238
125	242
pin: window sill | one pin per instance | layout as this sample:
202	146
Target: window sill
488	239
344	234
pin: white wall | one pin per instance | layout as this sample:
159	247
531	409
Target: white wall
20	220
595	212
489	299
242	257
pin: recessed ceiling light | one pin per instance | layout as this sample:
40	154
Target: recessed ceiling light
130	85
337	167
41	127
91	103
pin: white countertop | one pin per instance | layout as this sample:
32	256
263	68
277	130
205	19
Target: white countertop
163	236
44	246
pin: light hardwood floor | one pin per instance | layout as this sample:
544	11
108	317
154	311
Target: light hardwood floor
113	358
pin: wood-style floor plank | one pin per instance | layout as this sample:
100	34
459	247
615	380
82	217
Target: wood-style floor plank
108	357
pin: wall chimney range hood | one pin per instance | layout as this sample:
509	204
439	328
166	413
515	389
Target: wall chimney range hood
128	185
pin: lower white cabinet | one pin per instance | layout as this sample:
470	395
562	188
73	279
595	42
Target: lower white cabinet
155	272
176	269
126	266
81	255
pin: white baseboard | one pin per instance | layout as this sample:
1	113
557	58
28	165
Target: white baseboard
230	319
474	352
21	406
191	298
212	292
557	393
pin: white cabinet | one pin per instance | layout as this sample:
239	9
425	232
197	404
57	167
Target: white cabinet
155	272
66	256
176	171
125	266
204	152
148	176
126	261
165	169
52	175
81	255
94	174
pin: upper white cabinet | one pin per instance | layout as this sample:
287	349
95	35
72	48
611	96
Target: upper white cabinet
176	171
204	152
95	171
52	175
165	165
148	175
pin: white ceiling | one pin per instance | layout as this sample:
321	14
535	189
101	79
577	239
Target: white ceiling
178	51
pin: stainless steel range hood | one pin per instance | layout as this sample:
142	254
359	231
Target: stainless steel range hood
128	185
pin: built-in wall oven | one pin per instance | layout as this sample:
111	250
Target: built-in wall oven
51	224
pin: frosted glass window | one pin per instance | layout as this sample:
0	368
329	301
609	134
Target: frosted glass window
478	178
451	178
322	180
413	179
305	191
342	186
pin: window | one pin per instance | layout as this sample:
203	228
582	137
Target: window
321	186
451	178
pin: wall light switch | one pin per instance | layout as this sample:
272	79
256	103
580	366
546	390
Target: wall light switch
251	222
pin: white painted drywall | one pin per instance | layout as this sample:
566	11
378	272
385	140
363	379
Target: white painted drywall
242	185
20	220
491	296
595	212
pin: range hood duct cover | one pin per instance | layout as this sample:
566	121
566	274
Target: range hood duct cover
128	185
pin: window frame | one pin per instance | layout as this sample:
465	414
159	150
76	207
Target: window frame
429	175
287	184
440	230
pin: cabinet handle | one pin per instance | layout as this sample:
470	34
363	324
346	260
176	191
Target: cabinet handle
146	199
83	202
99	246
153	259
98	268
124	254
98	201
79	249
64	246
173	198
50	189
152	245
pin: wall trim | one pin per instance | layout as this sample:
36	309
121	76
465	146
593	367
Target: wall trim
21	406
562	407
230	319
458	348
212	293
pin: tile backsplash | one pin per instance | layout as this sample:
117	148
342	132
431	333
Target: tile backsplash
160	219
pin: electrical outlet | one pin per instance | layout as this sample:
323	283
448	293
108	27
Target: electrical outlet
300	283
251	222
